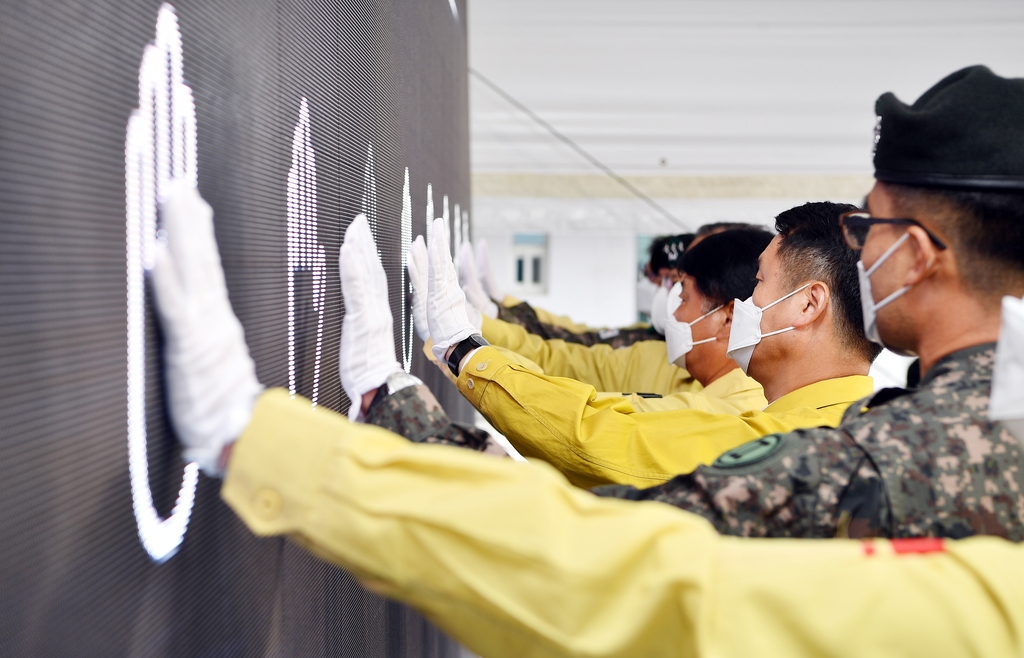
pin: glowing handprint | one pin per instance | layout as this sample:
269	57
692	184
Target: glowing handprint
160	146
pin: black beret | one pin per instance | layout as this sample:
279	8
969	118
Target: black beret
674	248
965	132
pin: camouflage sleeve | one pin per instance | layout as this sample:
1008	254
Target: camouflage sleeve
625	337
524	316
414	412
782	485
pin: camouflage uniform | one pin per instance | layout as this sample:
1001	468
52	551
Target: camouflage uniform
523	315
414	413
926	462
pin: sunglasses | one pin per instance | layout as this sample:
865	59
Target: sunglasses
857	224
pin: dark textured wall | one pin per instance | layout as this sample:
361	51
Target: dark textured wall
389	76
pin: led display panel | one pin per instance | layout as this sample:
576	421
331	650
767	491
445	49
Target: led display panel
291	117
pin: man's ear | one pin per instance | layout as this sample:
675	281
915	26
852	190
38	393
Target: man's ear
926	254
815	299
726	326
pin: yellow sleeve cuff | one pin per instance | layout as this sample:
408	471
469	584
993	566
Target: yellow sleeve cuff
274	475
484	364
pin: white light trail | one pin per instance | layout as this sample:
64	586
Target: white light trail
407	329
430	214
305	253
368	204
447	221
160	145
457	239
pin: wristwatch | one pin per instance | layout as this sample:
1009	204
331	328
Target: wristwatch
462	349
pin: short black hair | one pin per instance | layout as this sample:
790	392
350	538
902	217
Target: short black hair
656	253
724	265
718	227
985	230
812	247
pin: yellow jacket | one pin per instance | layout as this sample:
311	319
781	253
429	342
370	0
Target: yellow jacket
594	442
513	562
732	393
640	368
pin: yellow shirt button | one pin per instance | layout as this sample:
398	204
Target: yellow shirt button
470	384
267	504
482	366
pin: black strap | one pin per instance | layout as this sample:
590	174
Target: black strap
462	349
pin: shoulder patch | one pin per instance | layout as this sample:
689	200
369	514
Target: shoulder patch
751	453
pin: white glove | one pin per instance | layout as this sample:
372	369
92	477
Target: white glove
483	263
367	355
658	306
471	283
448	314
418	277
1006	403
211	379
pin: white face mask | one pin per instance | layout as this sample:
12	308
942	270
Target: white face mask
658	308
679	335
867	298
746	328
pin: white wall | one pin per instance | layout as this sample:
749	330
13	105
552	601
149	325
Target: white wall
684	90
592	245
592	278
590	275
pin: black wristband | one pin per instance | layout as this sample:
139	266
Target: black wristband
462	349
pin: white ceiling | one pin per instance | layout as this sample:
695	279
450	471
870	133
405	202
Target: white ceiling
736	87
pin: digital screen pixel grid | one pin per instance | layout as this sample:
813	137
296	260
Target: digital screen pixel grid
338	82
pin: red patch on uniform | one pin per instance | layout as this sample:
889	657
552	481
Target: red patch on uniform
915	545
918	545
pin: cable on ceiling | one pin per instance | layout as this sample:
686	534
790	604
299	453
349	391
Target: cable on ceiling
579	149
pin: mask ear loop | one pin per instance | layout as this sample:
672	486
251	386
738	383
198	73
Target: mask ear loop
713	338
717	308
782	299
777	332
895	295
885	255
888	252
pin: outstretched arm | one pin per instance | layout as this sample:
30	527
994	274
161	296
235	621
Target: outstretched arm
512	561
641	367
